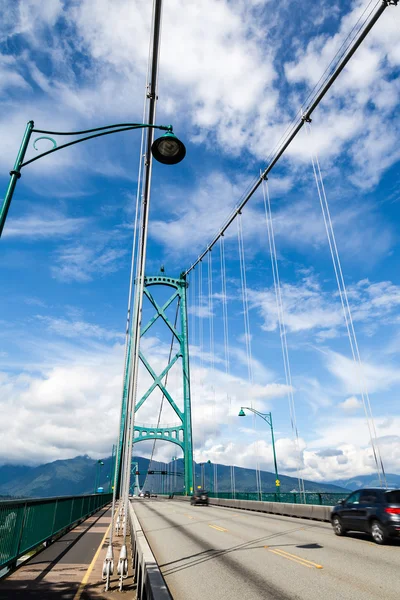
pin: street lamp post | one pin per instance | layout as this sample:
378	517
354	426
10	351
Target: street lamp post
267	417
167	149
99	464
202	466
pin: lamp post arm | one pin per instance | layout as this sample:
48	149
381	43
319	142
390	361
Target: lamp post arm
268	419
266	416
110	129
96	132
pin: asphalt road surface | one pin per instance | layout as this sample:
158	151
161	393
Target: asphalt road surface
213	553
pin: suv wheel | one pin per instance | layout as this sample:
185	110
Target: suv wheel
338	526
378	532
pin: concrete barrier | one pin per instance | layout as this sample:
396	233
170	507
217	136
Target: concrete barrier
303	511
147	575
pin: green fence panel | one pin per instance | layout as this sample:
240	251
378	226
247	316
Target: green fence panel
85	506
11	522
38	524
62	514
25	524
76	511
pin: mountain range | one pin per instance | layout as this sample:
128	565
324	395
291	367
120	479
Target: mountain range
78	476
360	481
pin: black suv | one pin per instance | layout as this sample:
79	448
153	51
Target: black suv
375	511
147	494
199	497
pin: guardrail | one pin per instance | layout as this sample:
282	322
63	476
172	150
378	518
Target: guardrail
150	584
25	524
287	509
315	498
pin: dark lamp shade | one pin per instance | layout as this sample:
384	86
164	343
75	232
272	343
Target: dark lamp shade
168	149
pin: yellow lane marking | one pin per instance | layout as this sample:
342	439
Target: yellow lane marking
217	527
189	516
90	568
295	558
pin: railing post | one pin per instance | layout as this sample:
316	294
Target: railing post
54	517
72	509
21	531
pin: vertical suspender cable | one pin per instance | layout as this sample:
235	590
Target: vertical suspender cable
201	336
347	313
192	287
226	347
282	330
247	333
212	356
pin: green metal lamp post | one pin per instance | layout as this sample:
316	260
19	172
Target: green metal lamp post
167	149
267	417
99	464
202	465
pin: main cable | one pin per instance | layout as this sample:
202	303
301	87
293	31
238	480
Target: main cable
315	101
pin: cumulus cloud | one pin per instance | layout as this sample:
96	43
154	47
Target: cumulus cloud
309	307
350	404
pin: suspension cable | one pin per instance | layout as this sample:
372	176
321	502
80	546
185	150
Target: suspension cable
282	331
212	358
347	312
226	346
320	93
247	335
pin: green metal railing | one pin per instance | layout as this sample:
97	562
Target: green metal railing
319	498
25	524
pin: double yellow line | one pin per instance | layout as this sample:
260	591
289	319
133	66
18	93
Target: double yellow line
217	527
293	557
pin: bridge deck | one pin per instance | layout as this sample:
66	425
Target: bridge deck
219	553
70	568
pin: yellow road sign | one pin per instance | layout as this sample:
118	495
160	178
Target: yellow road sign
277	482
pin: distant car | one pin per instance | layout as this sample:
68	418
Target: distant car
199	497
153	495
147	494
141	495
373	510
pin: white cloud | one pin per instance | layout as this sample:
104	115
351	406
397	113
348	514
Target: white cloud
97	258
232	58
377	377
348	114
66	402
350	404
47	224
309	307
77	329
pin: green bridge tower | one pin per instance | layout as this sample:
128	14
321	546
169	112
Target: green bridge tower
180	434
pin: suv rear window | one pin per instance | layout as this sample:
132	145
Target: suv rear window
393	497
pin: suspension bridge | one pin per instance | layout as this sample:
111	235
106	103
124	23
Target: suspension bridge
264	544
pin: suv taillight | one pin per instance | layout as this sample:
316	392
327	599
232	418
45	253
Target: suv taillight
393	511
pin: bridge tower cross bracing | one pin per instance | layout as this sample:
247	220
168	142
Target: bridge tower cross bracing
180	434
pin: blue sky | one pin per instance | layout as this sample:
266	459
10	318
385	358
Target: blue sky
232	76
